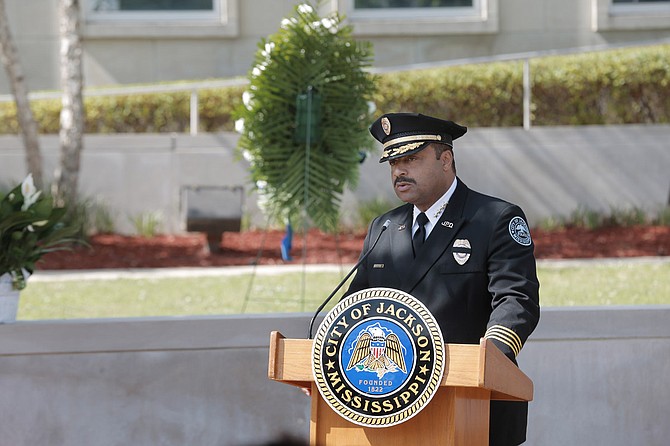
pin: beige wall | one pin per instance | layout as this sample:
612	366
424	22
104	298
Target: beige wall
140	53
600	377
548	171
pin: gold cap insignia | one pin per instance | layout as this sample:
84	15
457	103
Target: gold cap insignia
386	125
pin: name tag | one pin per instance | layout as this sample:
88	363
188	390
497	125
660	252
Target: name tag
378	265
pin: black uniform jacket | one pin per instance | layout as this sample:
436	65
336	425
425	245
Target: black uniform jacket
492	284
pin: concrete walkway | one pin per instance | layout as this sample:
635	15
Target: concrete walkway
152	273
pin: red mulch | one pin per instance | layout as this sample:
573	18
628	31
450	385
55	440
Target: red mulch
263	247
632	241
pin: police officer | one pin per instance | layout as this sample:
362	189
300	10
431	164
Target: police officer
467	256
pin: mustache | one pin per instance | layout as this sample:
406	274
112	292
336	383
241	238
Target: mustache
404	180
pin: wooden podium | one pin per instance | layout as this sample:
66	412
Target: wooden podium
458	414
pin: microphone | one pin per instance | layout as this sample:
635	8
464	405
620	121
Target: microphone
385	226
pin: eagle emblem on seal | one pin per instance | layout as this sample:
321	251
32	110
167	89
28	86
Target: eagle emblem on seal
377	352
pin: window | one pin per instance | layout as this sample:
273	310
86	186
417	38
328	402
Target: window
639	1
147	10
158	18
152	5
361	4
421	17
630	14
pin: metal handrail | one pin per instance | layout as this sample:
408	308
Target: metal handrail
524	55
196	86
137	89
526	58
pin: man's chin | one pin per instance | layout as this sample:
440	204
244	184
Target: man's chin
402	195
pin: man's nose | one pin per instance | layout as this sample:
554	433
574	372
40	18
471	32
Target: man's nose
398	169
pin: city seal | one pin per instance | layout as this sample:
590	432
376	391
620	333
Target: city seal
378	357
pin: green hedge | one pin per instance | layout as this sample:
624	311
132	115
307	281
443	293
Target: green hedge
140	113
612	87
480	95
616	87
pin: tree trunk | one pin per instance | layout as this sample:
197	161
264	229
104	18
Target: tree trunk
27	124
72	113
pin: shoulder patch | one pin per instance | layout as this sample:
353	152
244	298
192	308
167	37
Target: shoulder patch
519	231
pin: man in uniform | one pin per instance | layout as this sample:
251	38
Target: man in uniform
467	256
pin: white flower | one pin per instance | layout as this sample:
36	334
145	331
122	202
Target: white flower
257	70
305	9
29	192
239	125
248	100
267	51
329	24
287	23
247	156
28	186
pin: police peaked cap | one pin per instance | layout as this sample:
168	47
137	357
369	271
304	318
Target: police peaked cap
405	133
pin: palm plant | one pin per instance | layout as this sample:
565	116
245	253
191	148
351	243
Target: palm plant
304	117
30	227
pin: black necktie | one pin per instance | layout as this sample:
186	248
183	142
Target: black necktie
420	234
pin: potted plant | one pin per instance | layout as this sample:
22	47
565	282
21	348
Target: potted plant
30	226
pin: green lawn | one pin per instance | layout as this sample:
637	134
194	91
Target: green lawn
562	284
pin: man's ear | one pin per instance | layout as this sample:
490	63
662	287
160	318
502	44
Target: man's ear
447	159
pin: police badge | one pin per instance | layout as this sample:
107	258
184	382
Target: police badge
378	357
462	251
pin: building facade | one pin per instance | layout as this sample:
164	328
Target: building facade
147	41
